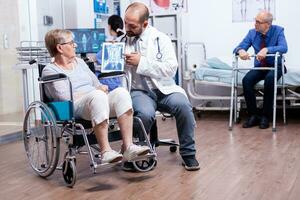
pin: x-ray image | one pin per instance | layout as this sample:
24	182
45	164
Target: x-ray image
112	56
246	10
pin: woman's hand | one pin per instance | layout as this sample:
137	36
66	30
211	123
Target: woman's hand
104	88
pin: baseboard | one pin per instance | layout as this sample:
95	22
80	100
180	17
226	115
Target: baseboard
11	137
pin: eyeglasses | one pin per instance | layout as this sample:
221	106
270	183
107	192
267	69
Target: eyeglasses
259	22
72	42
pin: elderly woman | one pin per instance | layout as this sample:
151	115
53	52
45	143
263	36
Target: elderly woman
91	99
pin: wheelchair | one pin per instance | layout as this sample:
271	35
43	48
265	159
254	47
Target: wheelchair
47	123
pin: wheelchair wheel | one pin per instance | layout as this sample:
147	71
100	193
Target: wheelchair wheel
69	172
173	149
145	165
40	139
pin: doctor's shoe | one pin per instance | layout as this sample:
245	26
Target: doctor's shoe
251	121
134	151
190	163
264	123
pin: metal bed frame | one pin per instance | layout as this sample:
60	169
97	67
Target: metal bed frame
201	102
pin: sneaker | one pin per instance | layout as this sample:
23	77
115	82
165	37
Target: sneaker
110	156
264	123
134	151
190	163
251	121
128	166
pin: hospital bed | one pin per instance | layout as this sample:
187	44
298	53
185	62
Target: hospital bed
208	82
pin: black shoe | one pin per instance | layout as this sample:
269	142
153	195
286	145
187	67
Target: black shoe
190	163
251	121
128	166
264	123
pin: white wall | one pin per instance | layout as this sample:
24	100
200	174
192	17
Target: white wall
211	22
79	13
70	18
50	8
10	80
31	28
31	13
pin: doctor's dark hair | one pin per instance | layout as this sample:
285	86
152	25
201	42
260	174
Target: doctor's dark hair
116	24
142	8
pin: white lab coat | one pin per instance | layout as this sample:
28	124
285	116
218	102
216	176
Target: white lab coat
161	71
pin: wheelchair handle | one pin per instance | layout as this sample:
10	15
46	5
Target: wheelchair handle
52	77
32	61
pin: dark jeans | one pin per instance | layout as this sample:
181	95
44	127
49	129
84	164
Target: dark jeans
176	104
250	80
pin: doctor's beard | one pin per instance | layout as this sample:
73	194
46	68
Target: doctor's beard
131	34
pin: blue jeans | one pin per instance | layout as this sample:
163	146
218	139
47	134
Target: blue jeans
250	80
176	104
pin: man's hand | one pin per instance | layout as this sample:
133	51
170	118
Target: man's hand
133	58
104	88
243	54
262	54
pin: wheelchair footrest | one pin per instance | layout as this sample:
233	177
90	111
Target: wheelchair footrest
143	157
99	164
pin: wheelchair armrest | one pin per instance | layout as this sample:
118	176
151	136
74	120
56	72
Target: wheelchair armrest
116	74
111	74
53	77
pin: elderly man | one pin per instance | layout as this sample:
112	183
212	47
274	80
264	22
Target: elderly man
152	64
265	39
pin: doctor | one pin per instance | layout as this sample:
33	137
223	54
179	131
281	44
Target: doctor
151	64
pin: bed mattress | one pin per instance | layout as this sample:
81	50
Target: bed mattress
291	78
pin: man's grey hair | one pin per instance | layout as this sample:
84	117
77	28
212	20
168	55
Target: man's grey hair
269	18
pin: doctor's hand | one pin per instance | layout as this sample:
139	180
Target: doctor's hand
262	54
103	88
133	58
243	54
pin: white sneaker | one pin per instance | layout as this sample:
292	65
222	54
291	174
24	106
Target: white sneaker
134	151
111	156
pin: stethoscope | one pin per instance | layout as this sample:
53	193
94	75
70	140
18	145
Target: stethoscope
158	54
